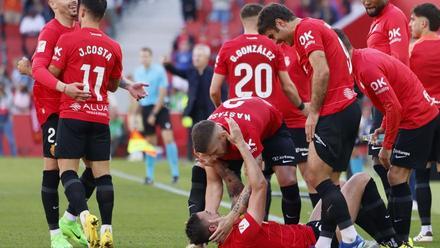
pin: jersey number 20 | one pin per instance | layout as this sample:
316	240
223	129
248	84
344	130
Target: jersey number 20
249	73
100	77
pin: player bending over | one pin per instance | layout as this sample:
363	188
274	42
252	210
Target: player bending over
249	229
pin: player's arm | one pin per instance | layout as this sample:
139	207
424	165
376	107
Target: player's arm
320	77
162	93
214	190
290	89
399	38
173	70
215	91
113	84
136	90
233	183
256	180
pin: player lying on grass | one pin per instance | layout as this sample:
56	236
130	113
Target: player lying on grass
248	228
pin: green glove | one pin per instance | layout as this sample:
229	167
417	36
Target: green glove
187	122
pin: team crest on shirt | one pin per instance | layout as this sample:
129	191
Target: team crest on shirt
41	47
287	60
75	106
349	93
243	225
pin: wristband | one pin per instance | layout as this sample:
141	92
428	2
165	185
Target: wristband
301	106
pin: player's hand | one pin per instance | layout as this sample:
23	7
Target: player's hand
384	157
206	160
151	120
224	227
306	109
312	120
24	66
375	136
235	136
137	90
75	90
166	60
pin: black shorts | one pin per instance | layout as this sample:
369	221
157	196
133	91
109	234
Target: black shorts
377	116
335	136
278	150
77	139
49	129
413	146
162	119
301	146
435	151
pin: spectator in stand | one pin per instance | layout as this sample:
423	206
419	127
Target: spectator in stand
5	120
31	25
199	77
111	16
221	11
22	99
12	11
184	36
116	129
182	57
19	79
327	11
189	10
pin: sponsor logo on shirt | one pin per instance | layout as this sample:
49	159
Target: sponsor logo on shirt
91	108
57	53
394	35
379	86
287	60
243	225
430	99
307	39
41	46
251	146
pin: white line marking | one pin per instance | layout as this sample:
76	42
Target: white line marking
176	191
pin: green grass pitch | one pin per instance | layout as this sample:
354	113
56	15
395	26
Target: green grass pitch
144	216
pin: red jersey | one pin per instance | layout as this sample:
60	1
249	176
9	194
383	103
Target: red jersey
394	90
293	117
46	98
316	35
246	232
424	60
389	33
251	63
91	57
256	118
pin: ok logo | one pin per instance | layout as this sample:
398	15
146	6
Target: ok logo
394	33
378	84
303	39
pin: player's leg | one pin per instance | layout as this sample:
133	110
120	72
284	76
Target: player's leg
330	152
98	148
411	151
163	120
424	201
150	136
71	146
301	153
279	157
196	200
50	182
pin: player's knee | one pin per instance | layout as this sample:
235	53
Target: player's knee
50	164
286	175
396	176
361	177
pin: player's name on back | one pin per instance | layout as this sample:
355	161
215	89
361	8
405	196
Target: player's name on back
95	50
228	114
252	49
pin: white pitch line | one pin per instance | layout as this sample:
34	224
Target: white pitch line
176	191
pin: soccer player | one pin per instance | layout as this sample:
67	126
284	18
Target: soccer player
389	34
424	57
409	123
46	97
155	113
263	130
246	217
87	55
252	64
334	114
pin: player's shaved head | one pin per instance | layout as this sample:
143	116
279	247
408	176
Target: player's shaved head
250	10
344	38
96	8
267	19
374	7
431	13
202	134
